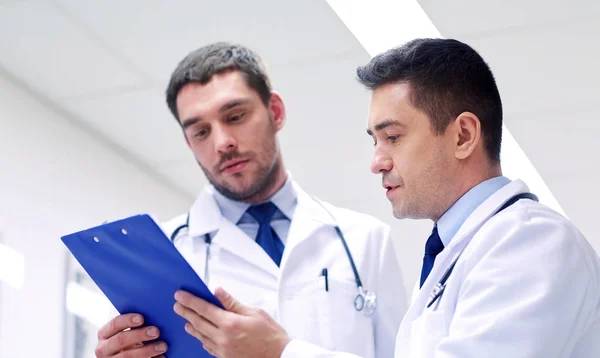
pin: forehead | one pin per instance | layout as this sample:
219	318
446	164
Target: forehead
195	98
390	101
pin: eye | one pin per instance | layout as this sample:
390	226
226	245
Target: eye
201	133
393	138
237	117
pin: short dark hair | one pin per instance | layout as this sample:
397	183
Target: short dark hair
202	64
446	77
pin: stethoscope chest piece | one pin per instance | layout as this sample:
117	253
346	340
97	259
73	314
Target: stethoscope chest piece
365	302
359	302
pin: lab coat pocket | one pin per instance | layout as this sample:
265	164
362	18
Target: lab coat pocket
426	333
300	312
341	324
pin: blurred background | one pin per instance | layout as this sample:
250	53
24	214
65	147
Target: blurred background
86	136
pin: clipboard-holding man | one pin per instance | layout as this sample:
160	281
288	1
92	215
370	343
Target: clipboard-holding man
253	231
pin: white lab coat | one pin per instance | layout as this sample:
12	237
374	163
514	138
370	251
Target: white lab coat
294	294
526	285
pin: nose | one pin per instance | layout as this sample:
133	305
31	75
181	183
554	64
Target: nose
223	139
381	163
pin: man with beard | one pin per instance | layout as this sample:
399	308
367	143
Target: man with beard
328	275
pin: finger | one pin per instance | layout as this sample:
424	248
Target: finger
125	340
230	303
208	344
208	311
198	322
118	324
136	345
149	350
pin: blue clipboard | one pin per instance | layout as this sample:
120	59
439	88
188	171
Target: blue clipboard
139	270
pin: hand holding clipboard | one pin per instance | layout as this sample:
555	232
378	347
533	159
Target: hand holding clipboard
139	270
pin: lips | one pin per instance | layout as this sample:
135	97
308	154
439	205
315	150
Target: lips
390	189
234	165
388	186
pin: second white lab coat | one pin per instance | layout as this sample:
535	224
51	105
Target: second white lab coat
294	294
527	284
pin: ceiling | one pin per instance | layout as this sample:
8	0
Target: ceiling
105	66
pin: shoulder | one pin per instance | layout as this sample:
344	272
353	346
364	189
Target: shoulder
169	226
203	202
529	216
355	221
531	229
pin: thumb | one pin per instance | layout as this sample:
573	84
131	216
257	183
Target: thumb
230	303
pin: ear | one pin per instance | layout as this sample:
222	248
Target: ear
277	109
468	134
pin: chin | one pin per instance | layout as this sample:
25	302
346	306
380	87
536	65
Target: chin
402	212
398	214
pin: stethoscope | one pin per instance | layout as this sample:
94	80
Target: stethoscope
439	288
365	302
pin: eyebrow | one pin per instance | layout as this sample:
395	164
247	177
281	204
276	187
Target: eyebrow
385	124
227	106
232	104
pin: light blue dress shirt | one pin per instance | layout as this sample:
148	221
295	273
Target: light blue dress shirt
285	199
458	213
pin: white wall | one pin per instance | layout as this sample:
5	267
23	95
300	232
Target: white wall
55	178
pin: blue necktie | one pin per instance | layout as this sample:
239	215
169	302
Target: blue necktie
433	247
267	237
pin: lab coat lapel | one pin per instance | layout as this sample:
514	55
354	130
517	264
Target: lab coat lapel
206	217
469	228
231	238
309	217
485	211
462	238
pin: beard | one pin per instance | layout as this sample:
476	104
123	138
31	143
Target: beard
261	179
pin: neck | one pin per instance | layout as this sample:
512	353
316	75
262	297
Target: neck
278	178
467	181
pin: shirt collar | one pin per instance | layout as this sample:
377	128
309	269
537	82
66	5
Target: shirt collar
285	199
458	213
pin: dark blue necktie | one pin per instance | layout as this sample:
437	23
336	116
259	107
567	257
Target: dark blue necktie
267	237
433	247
